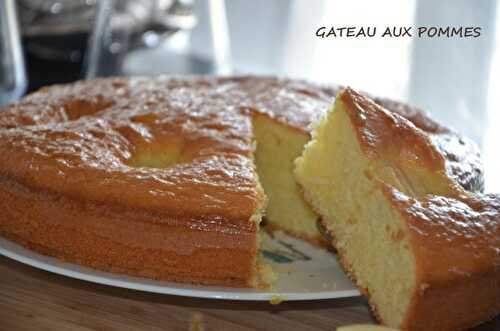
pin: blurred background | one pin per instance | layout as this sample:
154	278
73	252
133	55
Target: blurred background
456	79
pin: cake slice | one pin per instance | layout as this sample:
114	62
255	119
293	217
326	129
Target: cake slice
424	250
283	112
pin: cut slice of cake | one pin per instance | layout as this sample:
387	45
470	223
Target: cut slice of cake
283	112
424	250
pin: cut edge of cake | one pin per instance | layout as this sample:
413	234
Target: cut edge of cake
278	145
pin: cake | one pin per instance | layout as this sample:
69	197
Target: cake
170	177
421	244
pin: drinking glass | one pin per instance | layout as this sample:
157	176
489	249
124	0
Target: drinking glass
151	37
12	70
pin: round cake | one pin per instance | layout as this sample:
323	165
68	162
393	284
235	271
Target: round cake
169	177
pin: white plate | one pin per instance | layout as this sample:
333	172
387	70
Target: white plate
305	273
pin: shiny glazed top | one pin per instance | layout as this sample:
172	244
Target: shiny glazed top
390	128
79	140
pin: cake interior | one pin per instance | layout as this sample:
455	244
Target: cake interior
343	184
277	148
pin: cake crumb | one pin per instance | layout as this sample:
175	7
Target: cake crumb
277	299
329	285
196	322
267	275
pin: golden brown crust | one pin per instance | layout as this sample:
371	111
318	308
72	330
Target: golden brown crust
125	240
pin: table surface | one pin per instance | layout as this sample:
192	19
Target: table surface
32	299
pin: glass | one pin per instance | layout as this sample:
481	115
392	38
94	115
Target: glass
159	37
12	70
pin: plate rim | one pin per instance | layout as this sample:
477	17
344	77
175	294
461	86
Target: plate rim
51	264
